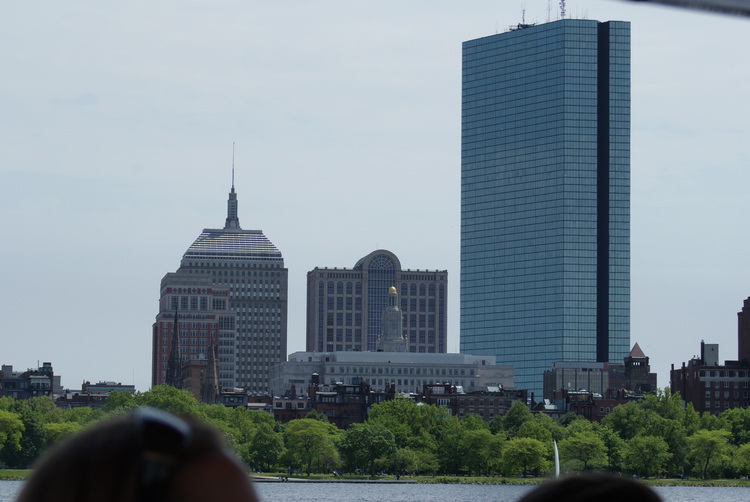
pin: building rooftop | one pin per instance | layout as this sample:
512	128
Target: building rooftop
230	243
359	357
636	351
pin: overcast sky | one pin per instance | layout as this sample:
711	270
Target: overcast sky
116	128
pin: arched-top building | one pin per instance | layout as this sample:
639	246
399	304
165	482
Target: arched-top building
345	305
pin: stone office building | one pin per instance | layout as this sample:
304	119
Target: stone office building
345	305
249	267
407	372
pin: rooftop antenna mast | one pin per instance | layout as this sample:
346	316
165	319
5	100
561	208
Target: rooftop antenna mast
562	9
233	166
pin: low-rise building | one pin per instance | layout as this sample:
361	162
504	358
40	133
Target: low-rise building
29	383
632	376
344	404
291	407
406	372
493	402
106	388
91	395
709	386
713	387
593	389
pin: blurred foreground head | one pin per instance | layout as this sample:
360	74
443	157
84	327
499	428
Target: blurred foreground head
591	487
145	456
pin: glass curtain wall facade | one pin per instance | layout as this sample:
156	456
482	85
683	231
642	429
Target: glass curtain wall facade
545	194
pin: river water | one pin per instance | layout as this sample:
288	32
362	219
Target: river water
332	492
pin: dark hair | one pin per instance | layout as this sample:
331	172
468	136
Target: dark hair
591	487
128	458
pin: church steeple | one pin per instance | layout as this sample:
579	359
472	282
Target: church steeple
174	364
233	222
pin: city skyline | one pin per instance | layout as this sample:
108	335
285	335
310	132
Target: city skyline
114	153
545	196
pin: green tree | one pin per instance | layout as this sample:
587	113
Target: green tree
613	445
627	420
483	451
309	441
496	425
177	401
553	426
450	450
363	444
413	425
264	448
6	403
692	420
316	415
517	414
536	429
673	433
707	447
710	422
236	424
473	422
737	421
645	455
524	455
570	417
579	425
83	415
57	431
742	459
584	450
11	431
119	402
34	413
261	417
664	403
417	461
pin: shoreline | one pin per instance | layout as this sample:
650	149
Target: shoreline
22	474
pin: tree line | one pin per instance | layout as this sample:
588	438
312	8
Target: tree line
655	436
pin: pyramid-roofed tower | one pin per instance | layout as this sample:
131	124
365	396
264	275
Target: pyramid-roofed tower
251	268
636	351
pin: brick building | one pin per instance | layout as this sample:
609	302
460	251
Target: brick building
713	387
488	404
710	386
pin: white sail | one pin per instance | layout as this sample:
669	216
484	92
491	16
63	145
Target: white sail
557	460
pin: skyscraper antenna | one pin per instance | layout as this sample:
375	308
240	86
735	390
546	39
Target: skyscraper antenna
562	9
232	165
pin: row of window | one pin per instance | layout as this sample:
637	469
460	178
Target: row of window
389	370
356	288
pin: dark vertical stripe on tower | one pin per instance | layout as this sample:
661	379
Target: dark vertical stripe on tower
602	216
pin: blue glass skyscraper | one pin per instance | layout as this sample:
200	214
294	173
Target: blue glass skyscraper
545	196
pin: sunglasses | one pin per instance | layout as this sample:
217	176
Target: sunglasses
164	439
